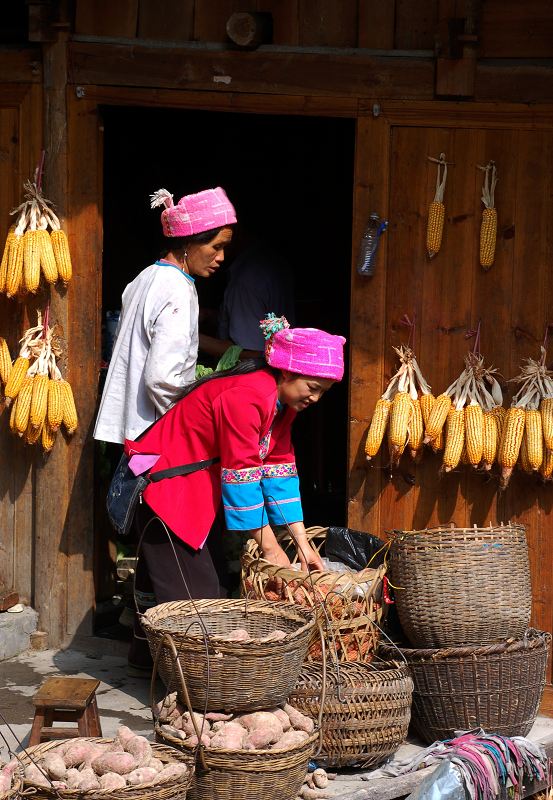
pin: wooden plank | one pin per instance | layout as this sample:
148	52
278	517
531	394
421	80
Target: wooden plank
367	331
210	18
328	24
514	81
416	24
285	20
105	18
22	65
261	72
510	29
376	27
165	20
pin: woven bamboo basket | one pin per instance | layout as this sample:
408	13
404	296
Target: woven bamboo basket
17	785
224	675
149	791
247	774
348	604
365	714
461	586
497	687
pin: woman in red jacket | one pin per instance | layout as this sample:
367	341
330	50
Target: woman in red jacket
245	421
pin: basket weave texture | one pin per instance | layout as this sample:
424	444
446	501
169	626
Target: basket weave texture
148	791
461	586
497	687
366	711
247	774
348	604
230	675
16	787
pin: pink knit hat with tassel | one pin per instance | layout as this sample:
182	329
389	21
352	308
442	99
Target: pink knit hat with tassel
306	351
194	213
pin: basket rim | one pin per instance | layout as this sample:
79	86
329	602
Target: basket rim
366	575
128	791
533	640
400	534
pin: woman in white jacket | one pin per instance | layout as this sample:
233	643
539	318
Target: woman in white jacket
156	345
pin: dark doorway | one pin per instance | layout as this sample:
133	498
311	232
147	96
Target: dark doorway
291	177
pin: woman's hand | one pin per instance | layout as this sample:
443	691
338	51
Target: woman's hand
309	558
274	554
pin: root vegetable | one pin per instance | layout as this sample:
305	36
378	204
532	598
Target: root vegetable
172	772
262	720
320	778
141	775
120	763
299	721
290	739
193	740
217	716
73	778
89	779
155	763
216	727
230	737
238	635
140	748
54	764
124	734
76	753
283	717
275	636
313	794
35	775
6	775
59	784
112	780
188	726
171	731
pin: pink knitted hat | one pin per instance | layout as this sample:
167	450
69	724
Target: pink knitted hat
306	351
194	213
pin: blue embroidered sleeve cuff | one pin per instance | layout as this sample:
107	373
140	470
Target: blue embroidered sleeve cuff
282	499
243	504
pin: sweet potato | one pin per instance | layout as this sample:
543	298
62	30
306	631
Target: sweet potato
72	778
238	635
290	739
112	780
36	776
218	716
320	778
140	748
281	715
141	775
263	727
172	731
172	772
120	763
124	734
76	753
188	726
59	784
89	779
299	721
155	763
6	775
216	727
275	636
54	765
230	737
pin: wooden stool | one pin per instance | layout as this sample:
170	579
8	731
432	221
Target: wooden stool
65	700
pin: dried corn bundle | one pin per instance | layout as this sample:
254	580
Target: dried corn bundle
489	439
546	411
23	406
454	438
5	361
31	251
436	211
488	227
399	412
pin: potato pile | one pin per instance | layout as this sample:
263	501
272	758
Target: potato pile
8	774
314	785
277	729
88	765
242	635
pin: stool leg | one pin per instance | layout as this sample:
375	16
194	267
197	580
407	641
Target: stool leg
94	724
82	723
38	724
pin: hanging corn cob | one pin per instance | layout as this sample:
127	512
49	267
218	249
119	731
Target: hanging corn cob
436	211
30	250
488	227
5	362
399	413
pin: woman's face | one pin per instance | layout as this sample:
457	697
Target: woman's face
301	391
204	259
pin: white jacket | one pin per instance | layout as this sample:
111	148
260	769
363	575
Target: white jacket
154	354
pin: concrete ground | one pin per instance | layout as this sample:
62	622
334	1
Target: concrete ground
125	700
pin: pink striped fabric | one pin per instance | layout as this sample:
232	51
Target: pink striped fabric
199	212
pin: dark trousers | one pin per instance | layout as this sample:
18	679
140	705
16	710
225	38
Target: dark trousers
168	569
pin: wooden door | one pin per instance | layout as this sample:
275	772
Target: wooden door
449	295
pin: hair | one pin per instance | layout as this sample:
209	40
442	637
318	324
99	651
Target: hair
174	244
244	367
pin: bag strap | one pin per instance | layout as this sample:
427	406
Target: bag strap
185	469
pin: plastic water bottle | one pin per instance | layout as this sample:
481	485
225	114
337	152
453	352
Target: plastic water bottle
369	244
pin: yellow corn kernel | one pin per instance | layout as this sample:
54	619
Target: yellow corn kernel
510	442
534	438
399	419
69	418
32	435
500	414
546	469
62	255
546	410
489	439
54	413
19	370
13	412
23	406
523	461
31	260
47	259
454	438
434	228
48	437
437	444
377	427
14	273
464	456
5	258
474	422
5	361
39	401
488	235
426	401
438	416
415	428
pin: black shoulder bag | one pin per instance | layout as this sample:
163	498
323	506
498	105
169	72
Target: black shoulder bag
126	488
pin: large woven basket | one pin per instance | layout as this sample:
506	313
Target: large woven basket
247	774
17	785
149	791
497	687
365	714
348	604
461	586
224	675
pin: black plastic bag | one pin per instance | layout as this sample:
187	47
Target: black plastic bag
353	548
